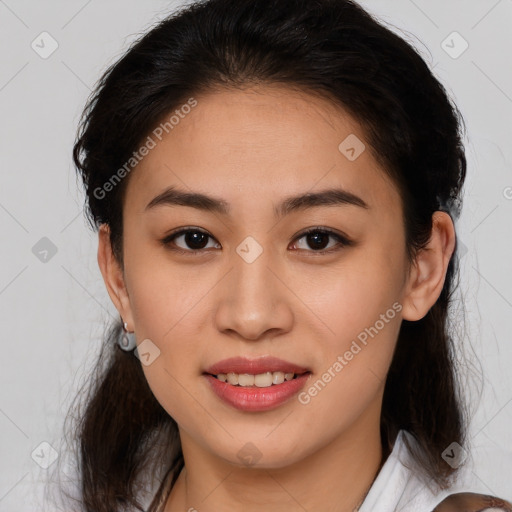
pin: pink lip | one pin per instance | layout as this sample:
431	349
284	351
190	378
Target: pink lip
254	399
254	366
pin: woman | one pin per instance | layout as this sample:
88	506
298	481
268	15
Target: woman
274	184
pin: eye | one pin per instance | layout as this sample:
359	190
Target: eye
194	238
318	239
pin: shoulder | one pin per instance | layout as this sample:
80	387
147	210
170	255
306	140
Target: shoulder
473	502
402	485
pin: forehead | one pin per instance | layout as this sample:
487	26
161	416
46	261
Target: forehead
260	142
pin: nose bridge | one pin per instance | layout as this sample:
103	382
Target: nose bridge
252	277
252	301
251	280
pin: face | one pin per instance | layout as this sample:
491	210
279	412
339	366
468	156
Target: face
243	280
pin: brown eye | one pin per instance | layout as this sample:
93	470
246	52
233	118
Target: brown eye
318	240
194	240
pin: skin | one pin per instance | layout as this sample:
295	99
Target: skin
253	148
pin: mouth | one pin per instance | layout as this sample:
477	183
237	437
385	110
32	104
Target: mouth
260	380
257	393
256	385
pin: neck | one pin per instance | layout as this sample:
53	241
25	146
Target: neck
336	477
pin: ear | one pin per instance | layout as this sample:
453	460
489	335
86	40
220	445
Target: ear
113	276
428	272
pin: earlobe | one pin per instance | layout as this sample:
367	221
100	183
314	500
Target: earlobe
113	276
427	276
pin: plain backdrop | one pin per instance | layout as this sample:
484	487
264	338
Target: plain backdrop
53	303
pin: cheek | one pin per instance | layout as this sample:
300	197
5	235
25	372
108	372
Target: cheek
361	306
166	298
355	295
173	321
168	310
365	319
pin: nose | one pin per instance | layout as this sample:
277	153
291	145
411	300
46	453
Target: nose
254	301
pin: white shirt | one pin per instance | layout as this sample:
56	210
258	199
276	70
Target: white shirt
399	486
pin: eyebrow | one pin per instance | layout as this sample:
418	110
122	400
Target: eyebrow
329	197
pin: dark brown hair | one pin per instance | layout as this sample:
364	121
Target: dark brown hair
332	48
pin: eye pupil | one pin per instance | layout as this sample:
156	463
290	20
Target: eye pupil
317	244
193	237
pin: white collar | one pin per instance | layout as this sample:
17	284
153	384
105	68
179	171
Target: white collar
400	486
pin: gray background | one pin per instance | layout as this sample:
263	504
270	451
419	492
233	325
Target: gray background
53	306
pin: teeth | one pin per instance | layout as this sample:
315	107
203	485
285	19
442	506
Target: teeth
232	378
262	380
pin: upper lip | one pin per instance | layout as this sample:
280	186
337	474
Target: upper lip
254	366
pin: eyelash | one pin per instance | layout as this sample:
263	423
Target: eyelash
343	241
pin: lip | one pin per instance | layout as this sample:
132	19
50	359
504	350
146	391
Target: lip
255	366
254	399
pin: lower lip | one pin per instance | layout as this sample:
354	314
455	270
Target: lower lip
257	399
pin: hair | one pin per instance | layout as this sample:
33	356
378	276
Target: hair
330	48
